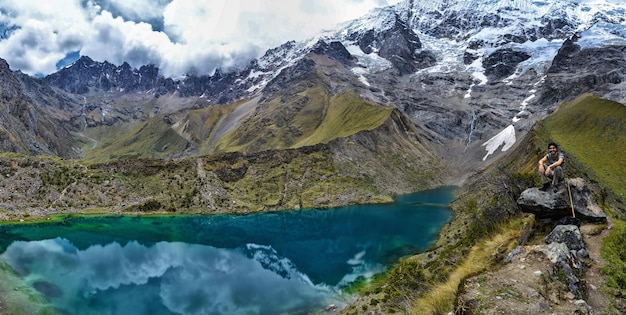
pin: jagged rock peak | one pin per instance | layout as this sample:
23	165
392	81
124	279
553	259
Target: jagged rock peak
10	88
83	60
85	74
335	50
4	65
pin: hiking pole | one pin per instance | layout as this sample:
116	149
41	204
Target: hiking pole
570	198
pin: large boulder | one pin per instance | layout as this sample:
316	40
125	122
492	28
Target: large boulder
555	202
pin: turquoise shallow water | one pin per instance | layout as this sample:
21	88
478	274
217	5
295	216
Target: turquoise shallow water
287	262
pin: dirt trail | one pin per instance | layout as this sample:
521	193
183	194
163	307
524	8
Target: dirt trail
529	284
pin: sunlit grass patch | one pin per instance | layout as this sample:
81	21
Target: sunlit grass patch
484	255
346	115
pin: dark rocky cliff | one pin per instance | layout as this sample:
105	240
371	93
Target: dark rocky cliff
26	127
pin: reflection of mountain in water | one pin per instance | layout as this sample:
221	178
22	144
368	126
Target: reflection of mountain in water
185	278
269	259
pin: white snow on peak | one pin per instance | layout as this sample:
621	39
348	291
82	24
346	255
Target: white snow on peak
379	19
449	53
542	52
482	5
603	34
372	62
585	10
512	16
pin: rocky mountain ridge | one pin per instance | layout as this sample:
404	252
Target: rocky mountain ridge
462	71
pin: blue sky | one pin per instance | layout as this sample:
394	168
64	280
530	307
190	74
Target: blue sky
180	36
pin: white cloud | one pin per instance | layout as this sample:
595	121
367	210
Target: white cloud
44	31
179	36
136	10
116	41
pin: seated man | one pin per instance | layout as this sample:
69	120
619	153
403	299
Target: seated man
551	167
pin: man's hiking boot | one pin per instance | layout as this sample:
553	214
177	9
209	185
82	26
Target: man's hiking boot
558	186
545	187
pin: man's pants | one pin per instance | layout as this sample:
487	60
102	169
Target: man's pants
555	175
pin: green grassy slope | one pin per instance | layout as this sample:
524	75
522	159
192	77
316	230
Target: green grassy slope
594	131
151	139
200	126
346	115
310	116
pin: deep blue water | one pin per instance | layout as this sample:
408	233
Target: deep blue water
286	262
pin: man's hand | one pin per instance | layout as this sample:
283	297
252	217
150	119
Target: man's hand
547	172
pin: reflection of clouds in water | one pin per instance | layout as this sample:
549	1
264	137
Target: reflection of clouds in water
112	265
357	259
187	279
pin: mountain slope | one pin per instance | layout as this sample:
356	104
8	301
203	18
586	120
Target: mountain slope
367	167
470	77
320	119
26	127
463	72
152	139
488	219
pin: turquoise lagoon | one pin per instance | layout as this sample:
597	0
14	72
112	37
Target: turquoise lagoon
285	262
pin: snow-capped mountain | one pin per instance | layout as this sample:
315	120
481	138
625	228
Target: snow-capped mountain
483	49
438	35
473	34
472	75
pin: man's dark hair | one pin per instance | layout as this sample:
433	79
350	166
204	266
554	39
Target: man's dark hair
553	144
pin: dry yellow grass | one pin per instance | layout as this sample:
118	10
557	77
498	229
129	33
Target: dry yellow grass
483	256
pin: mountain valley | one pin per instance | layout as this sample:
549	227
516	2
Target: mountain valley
409	97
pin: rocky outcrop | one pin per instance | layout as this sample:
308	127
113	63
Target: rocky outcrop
334	50
568	234
555	202
576	70
399	44
565	252
545	278
503	63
